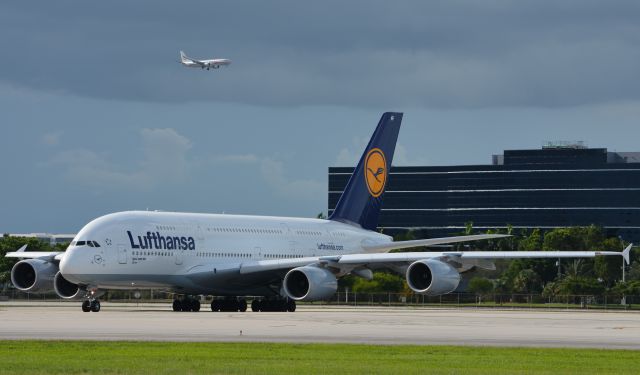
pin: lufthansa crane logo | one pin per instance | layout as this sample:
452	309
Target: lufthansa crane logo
375	173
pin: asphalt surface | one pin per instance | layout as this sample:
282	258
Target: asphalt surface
65	321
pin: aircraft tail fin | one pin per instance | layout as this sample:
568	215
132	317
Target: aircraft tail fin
361	201
183	57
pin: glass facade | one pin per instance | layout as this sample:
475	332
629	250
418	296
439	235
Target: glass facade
545	188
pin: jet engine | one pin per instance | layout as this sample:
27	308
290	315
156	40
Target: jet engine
310	283
432	277
33	275
66	289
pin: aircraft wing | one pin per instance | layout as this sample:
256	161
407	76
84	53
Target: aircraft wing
469	255
45	255
276	264
373	247
478	258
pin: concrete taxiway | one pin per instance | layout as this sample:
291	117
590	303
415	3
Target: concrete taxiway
65	321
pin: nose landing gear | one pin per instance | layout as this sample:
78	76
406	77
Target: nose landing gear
91	303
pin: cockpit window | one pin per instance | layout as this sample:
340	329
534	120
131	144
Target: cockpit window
90	243
80	243
95	244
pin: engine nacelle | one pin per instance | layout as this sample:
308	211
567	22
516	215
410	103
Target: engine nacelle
66	289
33	275
310	283
432	277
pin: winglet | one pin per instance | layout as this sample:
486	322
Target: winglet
626	254
22	249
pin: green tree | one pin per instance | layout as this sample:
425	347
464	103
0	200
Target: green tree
633	272
609	269
527	281
629	288
579	285
383	282
480	286
531	242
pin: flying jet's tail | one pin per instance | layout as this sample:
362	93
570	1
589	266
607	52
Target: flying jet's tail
184	58
361	200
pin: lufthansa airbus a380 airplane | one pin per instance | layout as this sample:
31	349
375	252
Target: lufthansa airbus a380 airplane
277	260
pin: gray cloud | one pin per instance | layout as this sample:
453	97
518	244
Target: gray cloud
164	162
458	54
274	176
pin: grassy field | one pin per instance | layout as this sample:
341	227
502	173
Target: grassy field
76	357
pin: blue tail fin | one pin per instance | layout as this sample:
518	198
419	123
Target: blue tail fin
361	200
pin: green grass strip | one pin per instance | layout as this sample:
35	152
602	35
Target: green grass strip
117	357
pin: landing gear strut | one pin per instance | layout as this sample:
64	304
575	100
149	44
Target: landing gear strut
186	304
229	304
285	305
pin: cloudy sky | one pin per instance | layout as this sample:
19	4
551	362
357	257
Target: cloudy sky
97	115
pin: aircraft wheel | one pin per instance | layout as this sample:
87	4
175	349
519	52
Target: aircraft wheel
242	305
291	306
86	306
95	305
215	305
177	305
195	305
255	305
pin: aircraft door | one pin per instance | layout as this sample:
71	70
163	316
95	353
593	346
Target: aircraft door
179	256
122	254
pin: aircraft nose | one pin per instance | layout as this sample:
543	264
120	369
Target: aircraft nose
68	265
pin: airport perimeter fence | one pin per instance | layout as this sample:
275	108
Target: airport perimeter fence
453	300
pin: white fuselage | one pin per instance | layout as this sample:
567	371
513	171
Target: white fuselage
211	63
199	253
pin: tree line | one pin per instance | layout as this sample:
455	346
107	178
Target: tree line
593	276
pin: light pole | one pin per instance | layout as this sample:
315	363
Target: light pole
624	298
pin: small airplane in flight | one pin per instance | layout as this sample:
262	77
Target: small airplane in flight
208	64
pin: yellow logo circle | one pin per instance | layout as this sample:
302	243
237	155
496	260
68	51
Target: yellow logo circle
375	172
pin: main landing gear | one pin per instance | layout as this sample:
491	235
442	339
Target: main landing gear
229	305
186	304
285	305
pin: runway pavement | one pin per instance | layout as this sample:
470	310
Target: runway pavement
65	321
